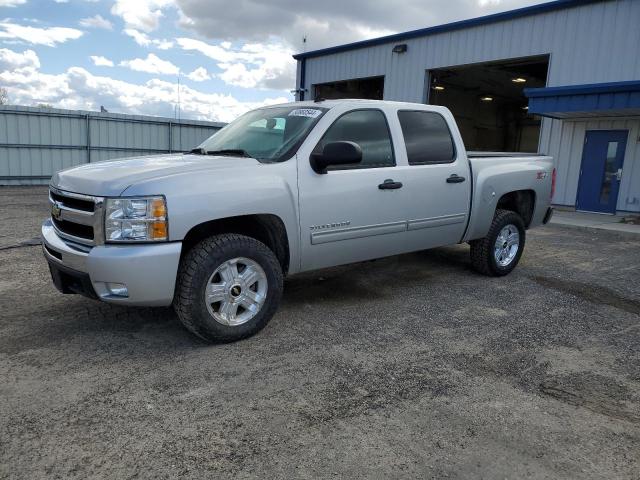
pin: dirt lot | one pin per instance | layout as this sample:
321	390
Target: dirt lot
413	366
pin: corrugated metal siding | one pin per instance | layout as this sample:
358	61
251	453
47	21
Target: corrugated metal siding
36	142
566	144
581	41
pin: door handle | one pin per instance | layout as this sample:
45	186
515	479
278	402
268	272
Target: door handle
619	174
455	179
389	184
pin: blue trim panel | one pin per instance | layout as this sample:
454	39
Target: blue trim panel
611	87
448	27
613	98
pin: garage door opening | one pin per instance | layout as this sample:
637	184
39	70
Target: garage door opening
488	103
371	88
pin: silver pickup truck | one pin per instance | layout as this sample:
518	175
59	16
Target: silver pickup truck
282	190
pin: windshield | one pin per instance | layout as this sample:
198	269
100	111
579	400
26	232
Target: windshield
267	134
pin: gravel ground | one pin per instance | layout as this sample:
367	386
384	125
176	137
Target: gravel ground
412	366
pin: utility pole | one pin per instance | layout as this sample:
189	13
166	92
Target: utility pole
178	116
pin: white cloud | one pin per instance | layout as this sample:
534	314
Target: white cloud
254	65
18	62
140	38
38	36
97	21
162	44
216	52
151	64
200	74
144	40
100	61
142	15
12	3
79	89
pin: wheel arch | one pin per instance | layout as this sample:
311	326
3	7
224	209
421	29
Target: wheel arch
266	228
522	202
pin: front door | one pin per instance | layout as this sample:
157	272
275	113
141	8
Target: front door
349	214
601	171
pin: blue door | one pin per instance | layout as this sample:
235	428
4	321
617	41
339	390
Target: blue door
601	170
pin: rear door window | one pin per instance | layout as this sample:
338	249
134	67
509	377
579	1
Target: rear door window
427	137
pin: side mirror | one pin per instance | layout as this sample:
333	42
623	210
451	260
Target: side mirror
336	153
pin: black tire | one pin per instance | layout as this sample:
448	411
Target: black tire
196	268
482	250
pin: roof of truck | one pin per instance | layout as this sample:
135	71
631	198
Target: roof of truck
354	101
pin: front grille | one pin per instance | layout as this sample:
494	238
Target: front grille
77	218
74	229
75	203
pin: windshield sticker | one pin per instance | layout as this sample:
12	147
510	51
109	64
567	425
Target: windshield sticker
305	112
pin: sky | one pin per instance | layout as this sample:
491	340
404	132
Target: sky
216	59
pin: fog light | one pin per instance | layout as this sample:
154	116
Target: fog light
117	289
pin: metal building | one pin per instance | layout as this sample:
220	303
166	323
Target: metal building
37	142
561	78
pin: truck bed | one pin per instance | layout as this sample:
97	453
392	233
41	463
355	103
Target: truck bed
497	173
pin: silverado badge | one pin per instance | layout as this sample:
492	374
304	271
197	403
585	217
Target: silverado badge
330	225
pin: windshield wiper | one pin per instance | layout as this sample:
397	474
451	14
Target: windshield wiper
230	151
238	152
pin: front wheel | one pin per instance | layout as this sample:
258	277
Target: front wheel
229	286
499	252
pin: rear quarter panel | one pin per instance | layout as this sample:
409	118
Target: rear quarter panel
494	177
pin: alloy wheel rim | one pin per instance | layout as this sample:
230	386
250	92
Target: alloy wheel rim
236	291
507	245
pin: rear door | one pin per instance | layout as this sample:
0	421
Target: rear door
438	180
347	215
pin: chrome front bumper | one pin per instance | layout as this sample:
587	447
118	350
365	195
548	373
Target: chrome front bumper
148	271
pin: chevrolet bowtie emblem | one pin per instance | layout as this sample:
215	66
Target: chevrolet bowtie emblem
56	210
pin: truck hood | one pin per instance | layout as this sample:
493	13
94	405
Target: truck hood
111	178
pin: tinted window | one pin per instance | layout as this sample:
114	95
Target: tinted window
367	128
427	138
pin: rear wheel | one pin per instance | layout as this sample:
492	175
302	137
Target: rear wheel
229	287
499	252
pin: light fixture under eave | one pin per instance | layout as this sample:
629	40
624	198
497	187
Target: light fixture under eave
438	87
486	99
526	107
518	80
400	48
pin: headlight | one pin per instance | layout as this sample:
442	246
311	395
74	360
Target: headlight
141	219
